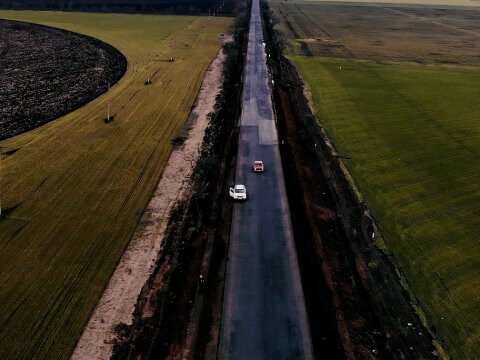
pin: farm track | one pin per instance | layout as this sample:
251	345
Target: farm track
118	302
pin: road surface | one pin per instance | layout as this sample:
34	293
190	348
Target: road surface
264	313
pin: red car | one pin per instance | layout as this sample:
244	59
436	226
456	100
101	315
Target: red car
258	166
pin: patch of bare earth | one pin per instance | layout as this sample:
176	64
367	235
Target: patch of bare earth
138	262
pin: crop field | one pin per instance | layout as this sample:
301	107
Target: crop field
74	189
407	124
381	33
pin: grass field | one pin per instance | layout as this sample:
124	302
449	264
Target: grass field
412	132
76	187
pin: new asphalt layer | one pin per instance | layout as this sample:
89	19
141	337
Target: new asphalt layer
264	314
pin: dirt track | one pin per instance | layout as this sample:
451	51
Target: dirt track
65	71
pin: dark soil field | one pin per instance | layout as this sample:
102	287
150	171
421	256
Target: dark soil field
46	73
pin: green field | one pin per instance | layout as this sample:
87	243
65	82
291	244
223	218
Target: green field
78	186
412	132
415	146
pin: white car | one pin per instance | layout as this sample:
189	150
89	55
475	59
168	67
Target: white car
238	192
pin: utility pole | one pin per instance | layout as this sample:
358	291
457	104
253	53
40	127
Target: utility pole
172	59
108	104
0	183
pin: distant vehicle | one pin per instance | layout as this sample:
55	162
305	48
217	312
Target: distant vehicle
238	192
258	166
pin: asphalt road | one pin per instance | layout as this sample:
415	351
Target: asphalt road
264	313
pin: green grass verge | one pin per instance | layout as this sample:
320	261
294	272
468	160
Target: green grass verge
81	185
413	133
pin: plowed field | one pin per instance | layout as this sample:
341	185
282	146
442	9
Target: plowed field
47	72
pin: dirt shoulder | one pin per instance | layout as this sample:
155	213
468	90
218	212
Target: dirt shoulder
138	262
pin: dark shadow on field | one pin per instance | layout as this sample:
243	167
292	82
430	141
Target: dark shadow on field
6	211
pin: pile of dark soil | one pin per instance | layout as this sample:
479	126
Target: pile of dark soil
46	73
